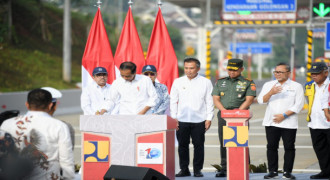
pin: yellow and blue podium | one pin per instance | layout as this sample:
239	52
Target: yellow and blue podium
131	140
235	137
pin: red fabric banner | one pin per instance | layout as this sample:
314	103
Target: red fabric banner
97	51
129	46
161	53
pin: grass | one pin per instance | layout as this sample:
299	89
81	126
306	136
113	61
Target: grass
28	61
22	70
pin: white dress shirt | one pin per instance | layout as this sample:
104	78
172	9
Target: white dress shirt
133	96
53	143
191	100
93	97
290	98
318	119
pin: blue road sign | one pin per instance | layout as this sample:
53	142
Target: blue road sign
255	48
259	5
318	30
246	31
327	36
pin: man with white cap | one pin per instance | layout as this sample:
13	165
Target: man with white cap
94	95
56	94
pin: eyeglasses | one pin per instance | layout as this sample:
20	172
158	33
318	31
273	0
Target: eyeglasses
279	72
149	73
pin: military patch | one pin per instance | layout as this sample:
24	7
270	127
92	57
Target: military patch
241	86
223	84
253	88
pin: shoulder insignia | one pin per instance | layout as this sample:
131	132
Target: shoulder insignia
247	79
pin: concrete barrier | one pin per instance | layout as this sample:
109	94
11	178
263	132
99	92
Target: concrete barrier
68	104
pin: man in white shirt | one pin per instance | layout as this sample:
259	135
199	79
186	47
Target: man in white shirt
284	99
94	95
136	93
42	138
56	94
191	105
317	92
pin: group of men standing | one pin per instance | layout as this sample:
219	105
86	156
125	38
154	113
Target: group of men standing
192	100
191	103
285	99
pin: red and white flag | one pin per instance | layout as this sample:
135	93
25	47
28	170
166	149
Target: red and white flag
161	53
129	46
97	52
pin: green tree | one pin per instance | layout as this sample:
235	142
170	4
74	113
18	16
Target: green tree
281	52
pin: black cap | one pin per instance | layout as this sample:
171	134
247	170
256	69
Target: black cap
235	64
99	70
149	68
317	67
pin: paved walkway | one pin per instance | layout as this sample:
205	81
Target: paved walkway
256	176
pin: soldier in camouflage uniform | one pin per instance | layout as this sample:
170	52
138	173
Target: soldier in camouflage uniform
232	92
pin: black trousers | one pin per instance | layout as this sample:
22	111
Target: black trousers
223	150
273	135
197	133
321	145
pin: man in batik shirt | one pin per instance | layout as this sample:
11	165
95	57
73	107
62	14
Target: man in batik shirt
163	99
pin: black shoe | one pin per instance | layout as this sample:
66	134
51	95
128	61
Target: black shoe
198	174
183	173
271	175
319	176
287	175
222	173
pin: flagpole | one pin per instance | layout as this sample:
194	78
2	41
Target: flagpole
98	3
160	3
130	2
